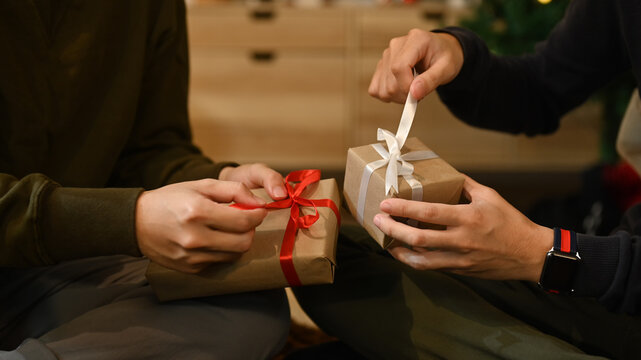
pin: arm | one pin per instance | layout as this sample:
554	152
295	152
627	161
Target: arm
489	238
44	223
159	150
524	94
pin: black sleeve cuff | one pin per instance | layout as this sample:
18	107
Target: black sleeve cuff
599	262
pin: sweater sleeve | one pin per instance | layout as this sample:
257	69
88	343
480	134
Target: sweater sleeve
611	265
529	93
44	223
160	149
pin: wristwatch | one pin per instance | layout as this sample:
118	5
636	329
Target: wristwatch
561	263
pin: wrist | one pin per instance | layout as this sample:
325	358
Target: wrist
544	240
561	263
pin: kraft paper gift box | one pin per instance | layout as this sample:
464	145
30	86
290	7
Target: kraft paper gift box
314	255
439	181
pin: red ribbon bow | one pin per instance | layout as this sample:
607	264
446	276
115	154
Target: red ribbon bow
303	178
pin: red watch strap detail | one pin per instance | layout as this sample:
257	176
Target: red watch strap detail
566	241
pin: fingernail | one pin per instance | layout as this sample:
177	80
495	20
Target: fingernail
385	206
377	220
279	192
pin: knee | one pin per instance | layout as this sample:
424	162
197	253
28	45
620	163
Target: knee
256	325
269	320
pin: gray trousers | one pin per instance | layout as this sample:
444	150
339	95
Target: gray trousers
387	310
103	308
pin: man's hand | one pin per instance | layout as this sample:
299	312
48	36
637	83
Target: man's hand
437	57
257	176
486	238
186	226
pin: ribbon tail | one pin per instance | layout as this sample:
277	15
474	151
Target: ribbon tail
391	175
407	118
286	254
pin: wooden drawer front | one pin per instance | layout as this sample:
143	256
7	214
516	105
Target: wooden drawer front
378	26
277	28
572	148
285	112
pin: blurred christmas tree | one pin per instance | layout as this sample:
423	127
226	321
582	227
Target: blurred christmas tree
513	27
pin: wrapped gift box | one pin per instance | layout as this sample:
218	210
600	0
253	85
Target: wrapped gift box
440	183
314	255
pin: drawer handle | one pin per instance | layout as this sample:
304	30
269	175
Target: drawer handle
263	15
263	56
432	15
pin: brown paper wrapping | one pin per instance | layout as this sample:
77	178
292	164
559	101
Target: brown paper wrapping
259	268
441	183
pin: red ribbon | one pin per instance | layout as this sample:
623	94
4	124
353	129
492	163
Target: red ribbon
302	178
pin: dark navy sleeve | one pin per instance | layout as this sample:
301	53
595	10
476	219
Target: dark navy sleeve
529	93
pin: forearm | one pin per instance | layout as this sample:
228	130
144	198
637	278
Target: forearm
528	94
500	93
44	223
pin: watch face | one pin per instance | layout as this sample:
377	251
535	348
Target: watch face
558	272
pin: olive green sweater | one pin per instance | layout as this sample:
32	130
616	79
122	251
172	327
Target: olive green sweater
93	109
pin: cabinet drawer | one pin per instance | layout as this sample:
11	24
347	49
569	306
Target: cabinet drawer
378	26
276	27
286	111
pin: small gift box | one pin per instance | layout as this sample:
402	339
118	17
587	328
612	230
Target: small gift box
294	245
432	180
372	174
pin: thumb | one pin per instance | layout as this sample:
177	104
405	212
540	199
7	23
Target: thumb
471	187
428	80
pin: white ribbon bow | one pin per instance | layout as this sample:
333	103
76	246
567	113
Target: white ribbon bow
397	164
395	144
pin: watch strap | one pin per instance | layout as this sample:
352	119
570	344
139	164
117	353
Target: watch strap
565	241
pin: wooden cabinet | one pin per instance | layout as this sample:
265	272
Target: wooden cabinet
288	86
268	84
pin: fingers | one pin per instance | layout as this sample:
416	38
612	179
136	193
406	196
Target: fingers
385	85
430	260
437	57
209	240
428	81
394	73
268	178
401	64
433	213
413	236
193	262
255	176
229	219
227	191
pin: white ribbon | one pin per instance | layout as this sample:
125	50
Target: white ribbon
397	164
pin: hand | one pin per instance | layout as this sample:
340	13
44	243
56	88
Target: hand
185	227
437	57
256	176
486	238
